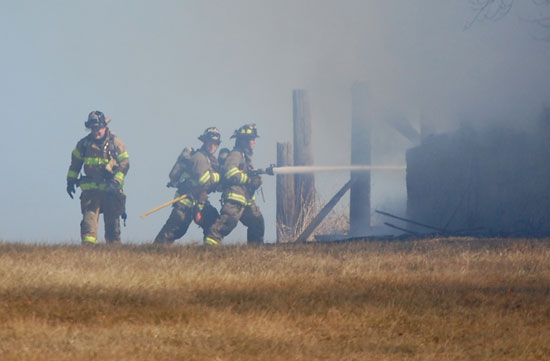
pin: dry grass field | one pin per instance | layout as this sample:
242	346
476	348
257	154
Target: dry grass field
432	299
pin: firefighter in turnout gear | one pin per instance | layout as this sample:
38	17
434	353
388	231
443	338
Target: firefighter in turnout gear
105	163
239	186
195	174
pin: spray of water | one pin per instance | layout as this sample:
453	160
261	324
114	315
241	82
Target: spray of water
336	168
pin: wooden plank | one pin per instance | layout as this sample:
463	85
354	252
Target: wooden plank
323	213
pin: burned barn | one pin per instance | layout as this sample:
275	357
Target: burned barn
494	181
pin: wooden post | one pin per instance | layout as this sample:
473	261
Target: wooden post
286	217
359	213
304	184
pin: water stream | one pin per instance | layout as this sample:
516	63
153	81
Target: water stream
336	168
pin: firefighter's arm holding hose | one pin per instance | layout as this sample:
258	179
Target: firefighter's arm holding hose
254	177
260	171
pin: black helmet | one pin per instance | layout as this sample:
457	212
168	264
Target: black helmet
248	131
211	134
96	119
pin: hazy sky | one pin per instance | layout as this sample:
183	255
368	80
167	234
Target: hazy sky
165	70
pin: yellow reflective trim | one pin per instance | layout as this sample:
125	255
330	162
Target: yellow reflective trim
244	178
90	186
230	173
90	239
216	177
72	174
122	156
95	161
211	241
205	177
185	201
236	197
77	154
119	176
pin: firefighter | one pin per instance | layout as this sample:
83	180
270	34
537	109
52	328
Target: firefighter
195	174
239	186
106	163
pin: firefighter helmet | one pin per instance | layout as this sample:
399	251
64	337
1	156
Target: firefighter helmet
211	134
96	119
248	131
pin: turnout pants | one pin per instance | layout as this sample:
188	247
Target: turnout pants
92	204
179	220
230	215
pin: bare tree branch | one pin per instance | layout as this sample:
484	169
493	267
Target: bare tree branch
497	9
543	24
490	10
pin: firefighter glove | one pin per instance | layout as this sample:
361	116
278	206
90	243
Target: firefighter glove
255	181
71	187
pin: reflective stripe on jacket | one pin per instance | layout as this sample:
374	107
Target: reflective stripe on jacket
99	161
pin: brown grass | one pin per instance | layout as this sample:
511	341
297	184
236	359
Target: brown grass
437	299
